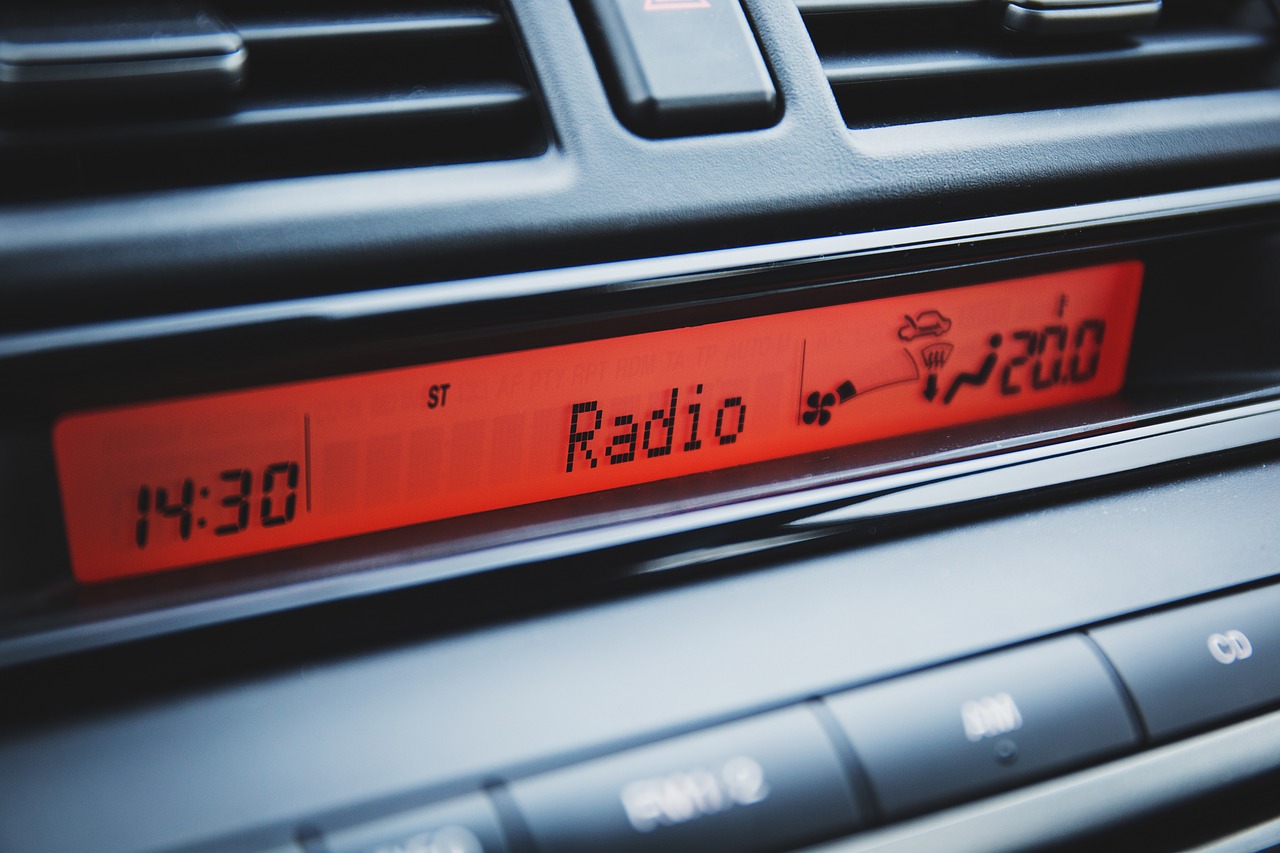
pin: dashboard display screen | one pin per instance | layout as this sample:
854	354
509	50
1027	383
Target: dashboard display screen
159	486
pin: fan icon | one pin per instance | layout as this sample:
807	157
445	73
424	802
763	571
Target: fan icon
819	409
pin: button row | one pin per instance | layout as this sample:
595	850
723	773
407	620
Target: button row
922	741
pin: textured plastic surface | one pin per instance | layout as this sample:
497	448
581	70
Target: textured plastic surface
947	735
1194	666
605	193
759	785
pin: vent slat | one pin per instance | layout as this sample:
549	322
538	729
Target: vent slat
1154	47
337	86
467	100
905	61
813	7
493	98
455	23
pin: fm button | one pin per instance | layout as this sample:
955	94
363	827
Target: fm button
769	783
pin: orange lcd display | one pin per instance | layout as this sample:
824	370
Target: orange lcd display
158	486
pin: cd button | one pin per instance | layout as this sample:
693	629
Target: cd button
1202	664
767	783
972	728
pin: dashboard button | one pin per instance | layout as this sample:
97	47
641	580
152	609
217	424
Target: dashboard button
682	66
465	825
1201	664
976	727
766	783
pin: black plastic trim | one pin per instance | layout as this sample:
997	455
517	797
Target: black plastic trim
1259	201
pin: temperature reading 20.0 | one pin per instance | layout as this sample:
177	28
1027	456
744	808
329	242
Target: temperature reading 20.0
269	500
1035	365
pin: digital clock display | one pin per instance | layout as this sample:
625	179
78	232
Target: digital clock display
158	486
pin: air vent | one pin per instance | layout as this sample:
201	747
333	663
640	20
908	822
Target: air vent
107	99
901	61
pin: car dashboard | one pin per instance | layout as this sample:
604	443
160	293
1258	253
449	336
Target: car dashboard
522	426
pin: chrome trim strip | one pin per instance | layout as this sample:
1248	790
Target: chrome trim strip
1059	464
651	272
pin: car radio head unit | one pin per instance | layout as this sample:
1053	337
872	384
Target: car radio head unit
570	429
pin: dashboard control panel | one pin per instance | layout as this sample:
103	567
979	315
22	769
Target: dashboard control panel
511	426
876	754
